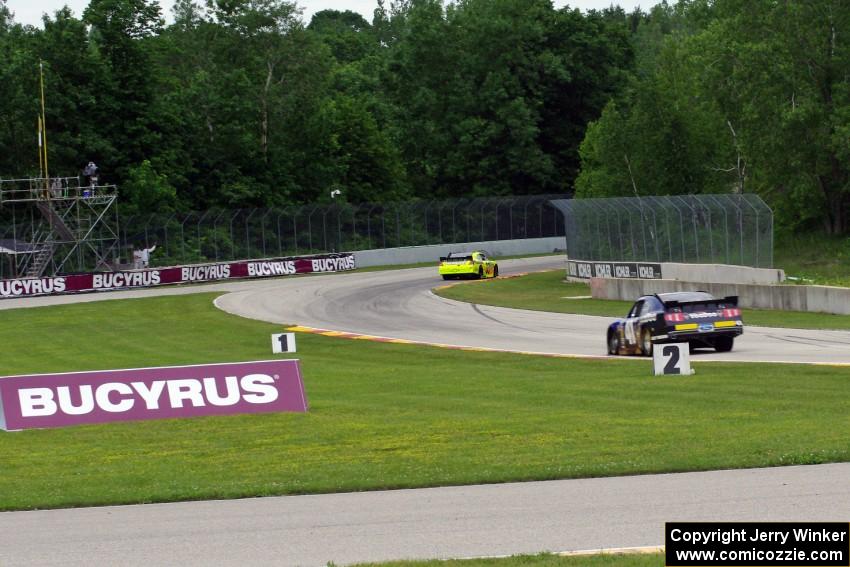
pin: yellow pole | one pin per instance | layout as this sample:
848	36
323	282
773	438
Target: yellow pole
40	154
43	120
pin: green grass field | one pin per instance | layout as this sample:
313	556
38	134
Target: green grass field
814	258
547	291
433	263
542	560
391	416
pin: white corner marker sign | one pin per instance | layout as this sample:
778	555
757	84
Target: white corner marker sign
283	342
671	358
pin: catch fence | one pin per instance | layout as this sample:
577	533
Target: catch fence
705	229
225	235
312	229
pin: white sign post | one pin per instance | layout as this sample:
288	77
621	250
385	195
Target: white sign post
673	358
283	342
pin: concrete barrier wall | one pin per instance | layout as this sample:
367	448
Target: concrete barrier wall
813	298
715	273
432	253
721	273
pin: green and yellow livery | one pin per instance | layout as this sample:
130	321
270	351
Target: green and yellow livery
468	265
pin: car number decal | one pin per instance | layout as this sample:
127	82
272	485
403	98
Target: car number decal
630	331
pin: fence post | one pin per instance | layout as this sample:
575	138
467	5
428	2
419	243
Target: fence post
279	236
310	228
454	208
369	225
540	210
425	230
263	230
125	229
757	227
146	229
468	215
511	221
324	230
295	227
654	232
525	216
200	220
247	236
215	233
338	228
707	211
232	239
770	233
725	225
483	205
165	232
397	226
440	224
183	237
383	227
681	229
354	210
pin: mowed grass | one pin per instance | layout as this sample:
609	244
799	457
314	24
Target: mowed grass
434	262
814	258
538	291
547	291
391	416
541	560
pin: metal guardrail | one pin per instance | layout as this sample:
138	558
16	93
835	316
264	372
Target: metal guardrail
704	229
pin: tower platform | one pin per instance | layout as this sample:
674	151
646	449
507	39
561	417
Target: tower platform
68	226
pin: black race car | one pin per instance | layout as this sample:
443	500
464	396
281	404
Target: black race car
694	317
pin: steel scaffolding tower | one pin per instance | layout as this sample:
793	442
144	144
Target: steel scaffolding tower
65	225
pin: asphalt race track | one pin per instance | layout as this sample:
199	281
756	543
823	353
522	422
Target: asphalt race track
399	304
504	519
461	521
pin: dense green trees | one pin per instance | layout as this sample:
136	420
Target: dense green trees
238	103
494	95
735	95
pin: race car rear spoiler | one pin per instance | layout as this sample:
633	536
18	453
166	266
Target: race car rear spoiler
445	258
730	300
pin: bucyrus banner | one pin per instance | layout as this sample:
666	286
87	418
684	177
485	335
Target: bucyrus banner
131	279
77	398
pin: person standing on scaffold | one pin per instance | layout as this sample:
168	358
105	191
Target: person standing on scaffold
90	172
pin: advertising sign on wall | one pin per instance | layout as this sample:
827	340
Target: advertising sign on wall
77	398
634	270
103	281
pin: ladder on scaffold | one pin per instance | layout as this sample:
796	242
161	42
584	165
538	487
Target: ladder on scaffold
75	228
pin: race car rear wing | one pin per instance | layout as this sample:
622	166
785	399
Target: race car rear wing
457	258
728	301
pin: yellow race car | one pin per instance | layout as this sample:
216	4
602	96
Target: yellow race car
468	265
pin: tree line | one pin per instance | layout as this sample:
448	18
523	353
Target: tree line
734	96
241	103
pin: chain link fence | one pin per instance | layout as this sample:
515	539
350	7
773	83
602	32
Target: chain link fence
223	235
707	229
